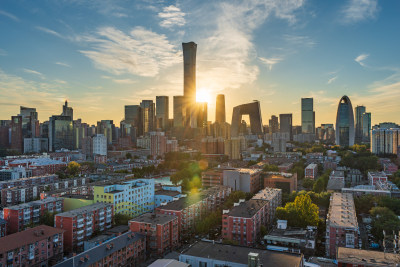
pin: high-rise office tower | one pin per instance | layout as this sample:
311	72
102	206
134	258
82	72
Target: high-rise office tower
285	121
273	124
148	116
67	111
360	110
179	111
366	127
252	109
201	114
162	111
220	109
16	134
345	123
307	115
189	82
30	122
61	133
107	128
133	117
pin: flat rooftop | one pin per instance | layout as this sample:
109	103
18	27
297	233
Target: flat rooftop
33	203
312	166
170	193
82	210
154	218
342	211
367	257
244	170
267	193
248	208
238	254
76	196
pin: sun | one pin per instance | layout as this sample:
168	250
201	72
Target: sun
203	95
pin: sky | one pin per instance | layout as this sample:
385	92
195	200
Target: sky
103	54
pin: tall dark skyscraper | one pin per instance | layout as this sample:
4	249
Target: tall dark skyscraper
132	124
273	124
162	111
179	111
360	110
61	133
366	127
201	114
30	122
254	111
220	109
285	123
307	115
345	123
189	82
148	116
67	111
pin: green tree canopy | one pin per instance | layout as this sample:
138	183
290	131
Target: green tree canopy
300	213
384	219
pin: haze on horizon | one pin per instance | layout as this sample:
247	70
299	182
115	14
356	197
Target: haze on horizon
102	55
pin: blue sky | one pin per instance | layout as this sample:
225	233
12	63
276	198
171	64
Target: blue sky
104	54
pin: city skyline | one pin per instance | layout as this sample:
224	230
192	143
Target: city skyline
131	51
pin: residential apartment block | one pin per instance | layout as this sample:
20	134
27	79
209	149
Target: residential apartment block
243	222
127	249
341	224
282	180
191	208
311	171
161	231
377	177
133	197
38	246
23	215
79	224
212	178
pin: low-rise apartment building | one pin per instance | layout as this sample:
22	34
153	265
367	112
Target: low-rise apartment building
133	197
80	224
311	171
38	246
27	214
128	249
161	231
190	209
282	180
377	177
212	178
341	224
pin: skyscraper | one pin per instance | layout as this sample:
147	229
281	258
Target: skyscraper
360	110
273	124
162	111
67	111
179	111
148	116
366	127
252	109
220	109
307	115
286	124
201	114
189	82
61	133
345	123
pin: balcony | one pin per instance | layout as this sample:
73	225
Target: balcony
80	237
80	220
89	233
80	232
80	225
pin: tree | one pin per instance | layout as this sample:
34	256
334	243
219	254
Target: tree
271	168
383	219
319	186
128	155
121	219
308	183
47	218
263	231
73	168
300	213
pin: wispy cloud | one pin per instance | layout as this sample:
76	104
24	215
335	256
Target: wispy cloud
171	16
63	64
361	58
124	81
270	62
30	71
300	40
331	80
49	31
3	52
359	10
141	52
9	15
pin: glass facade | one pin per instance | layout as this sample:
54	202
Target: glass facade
61	133
345	123
307	115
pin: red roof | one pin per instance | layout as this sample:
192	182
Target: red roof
29	236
